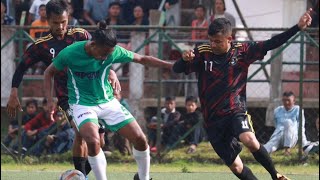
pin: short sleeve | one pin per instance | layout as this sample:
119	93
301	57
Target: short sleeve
121	55
60	61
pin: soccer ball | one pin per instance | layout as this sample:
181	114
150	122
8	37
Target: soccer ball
72	175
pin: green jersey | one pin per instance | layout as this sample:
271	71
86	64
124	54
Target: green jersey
88	77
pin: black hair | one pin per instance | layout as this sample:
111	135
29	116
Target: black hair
170	98
44	101
200	6
191	99
56	7
220	25
104	35
32	101
42	5
288	94
115	3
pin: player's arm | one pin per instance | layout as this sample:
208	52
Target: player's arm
30	57
48	84
114	81
151	61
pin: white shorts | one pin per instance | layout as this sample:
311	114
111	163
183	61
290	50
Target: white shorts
112	114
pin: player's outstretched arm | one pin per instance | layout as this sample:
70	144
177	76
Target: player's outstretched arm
48	77
180	65
151	61
276	41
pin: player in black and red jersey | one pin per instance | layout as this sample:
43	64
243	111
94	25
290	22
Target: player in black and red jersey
222	69
45	49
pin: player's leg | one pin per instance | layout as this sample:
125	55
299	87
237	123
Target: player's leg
117	118
242	126
141	152
227	147
86	121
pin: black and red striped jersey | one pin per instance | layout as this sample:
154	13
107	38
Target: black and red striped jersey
222	78
45	49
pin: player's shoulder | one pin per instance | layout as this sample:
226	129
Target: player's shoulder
43	39
76	30
204	48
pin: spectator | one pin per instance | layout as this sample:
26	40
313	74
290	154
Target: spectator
286	119
127	7
72	21
5	19
34	9
123	36
219	11
312	147
188	121
37	124
139	18
172	8
115	19
22	6
170	117
42	21
200	21
31	111
95	11
58	137
77	6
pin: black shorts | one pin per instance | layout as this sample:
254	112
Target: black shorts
224	135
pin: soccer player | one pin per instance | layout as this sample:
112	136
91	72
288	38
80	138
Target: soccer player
45	49
91	96
222	68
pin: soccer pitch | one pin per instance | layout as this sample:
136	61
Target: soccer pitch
173	171
47	175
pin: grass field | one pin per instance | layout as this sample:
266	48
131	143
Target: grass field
173	171
176	165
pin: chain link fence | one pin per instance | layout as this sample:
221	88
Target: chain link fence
294	67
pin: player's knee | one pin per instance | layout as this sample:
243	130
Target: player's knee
251	142
235	168
140	141
93	146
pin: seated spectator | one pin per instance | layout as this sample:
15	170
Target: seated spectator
6	19
58	138
72	21
22	6
286	119
77	6
200	21
37	124
31	112
188	121
172	8
312	147
34	9
170	117
42	21
95	11
219	11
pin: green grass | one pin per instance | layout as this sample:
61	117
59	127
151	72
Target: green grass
204	164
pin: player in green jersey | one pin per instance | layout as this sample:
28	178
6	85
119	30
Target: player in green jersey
91	95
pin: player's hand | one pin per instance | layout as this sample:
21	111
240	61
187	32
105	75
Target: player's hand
305	20
114	81
188	55
13	105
